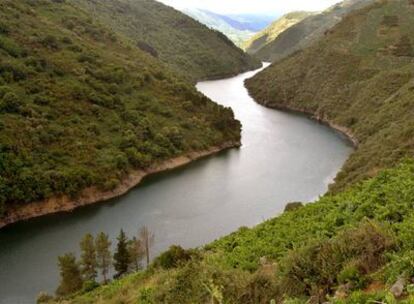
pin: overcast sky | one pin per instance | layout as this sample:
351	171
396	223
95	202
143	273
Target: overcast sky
270	7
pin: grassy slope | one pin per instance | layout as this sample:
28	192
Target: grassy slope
363	236
306	32
81	106
263	38
359	77
186	45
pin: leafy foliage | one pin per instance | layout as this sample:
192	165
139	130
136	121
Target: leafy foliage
187	46
82	106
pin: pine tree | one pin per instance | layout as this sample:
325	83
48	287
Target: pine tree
121	256
103	254
136	254
70	276
147	239
88	258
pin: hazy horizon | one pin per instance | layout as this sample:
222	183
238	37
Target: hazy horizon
263	7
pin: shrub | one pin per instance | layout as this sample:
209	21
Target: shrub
4	29
173	257
10	103
314	269
50	42
11	47
293	206
352	276
11	72
89	286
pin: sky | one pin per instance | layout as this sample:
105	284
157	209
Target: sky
268	7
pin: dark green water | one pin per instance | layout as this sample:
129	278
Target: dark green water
284	158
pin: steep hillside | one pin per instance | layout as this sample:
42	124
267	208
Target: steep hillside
347	248
186	45
269	34
359	78
215	22
306	32
81	106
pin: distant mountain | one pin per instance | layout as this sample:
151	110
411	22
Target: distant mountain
270	33
238	28
307	31
245	22
236	35
187	46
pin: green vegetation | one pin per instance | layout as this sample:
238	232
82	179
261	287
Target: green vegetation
269	34
82	106
348	248
82	276
356	243
281	44
187	46
359	76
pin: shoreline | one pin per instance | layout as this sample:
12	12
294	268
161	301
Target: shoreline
229	75
341	129
92	195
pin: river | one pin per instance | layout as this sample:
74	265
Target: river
285	157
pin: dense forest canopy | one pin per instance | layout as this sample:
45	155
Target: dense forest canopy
187	46
81	105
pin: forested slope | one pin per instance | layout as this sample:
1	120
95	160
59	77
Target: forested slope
360	77
81	105
186	45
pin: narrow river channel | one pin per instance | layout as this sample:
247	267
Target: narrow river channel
284	157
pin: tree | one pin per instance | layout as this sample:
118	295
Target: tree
70	275
136	253
88	258
147	239
103	254
121	256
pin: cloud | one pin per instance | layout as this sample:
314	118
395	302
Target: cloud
270	7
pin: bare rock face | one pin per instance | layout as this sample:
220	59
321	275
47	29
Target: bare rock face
398	288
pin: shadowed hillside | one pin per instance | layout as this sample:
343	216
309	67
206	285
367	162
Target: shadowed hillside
186	45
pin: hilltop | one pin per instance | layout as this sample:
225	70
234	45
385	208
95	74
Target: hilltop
184	44
270	33
83	107
358	78
304	33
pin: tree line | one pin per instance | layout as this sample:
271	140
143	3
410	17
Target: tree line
96	259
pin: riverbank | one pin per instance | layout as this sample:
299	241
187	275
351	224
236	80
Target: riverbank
323	120
93	195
